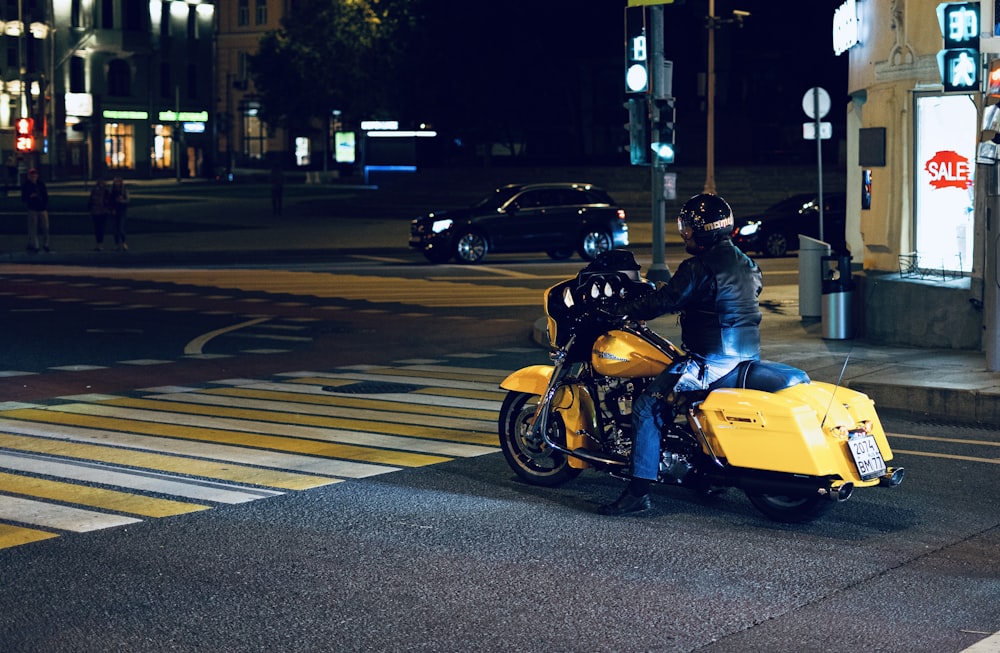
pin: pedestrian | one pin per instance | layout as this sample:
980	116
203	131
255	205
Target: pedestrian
100	208
119	208
716	292
36	196
277	189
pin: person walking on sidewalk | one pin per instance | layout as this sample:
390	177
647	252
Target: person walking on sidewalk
119	209
36	196
99	205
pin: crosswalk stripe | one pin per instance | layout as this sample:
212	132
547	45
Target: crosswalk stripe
223	431
166	463
187	488
18	535
65	518
94	497
91	461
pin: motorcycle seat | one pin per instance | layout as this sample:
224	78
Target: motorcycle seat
767	376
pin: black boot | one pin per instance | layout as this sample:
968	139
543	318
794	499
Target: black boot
635	498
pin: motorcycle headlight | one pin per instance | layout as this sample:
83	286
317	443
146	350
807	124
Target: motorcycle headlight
748	229
441	225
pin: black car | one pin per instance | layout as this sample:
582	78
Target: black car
775	231
558	219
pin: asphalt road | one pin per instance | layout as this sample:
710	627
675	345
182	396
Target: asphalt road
459	555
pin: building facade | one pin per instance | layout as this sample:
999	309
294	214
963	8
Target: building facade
915	216
113	86
243	139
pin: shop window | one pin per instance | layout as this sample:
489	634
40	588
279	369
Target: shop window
254	136
119	144
161	153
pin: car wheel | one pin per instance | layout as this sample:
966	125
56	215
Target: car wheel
776	244
593	243
471	247
560	253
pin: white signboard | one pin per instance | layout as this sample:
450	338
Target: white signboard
809	131
945	173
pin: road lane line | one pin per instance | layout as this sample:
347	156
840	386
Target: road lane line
195	347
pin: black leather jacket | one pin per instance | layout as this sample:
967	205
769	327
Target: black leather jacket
716	294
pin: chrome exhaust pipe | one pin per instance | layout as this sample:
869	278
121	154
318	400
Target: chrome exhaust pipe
893	477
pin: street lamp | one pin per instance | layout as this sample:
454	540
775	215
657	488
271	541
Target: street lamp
713	22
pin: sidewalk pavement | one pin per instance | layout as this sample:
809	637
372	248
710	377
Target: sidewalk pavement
942	384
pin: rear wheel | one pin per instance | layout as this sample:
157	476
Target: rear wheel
776	244
791	509
593	243
471	247
527	454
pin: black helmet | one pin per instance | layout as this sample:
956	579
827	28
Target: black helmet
709	218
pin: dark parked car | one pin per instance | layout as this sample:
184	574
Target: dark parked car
775	231
557	219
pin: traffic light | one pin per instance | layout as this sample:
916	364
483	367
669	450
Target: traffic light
636	51
662	141
25	140
638	131
959	61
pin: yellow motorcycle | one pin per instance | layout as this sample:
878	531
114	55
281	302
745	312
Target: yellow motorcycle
796	447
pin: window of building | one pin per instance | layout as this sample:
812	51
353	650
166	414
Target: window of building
77	75
161	152
133	16
165	20
254	135
260	14
75	14
243	13
119	79
192	81
119	143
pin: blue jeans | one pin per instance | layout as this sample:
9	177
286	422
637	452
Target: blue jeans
651	412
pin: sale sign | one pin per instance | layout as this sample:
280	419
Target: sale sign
949	169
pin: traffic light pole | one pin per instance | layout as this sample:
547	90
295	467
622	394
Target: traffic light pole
658	271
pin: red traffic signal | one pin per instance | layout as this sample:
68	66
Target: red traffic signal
25	141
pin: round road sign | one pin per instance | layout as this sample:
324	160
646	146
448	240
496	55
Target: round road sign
809	102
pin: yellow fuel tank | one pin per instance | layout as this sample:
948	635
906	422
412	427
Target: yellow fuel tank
627	355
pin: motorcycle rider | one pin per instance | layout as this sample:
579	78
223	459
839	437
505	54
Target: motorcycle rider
716	292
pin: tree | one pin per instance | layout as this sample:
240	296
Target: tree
330	54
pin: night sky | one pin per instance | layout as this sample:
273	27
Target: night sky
555	70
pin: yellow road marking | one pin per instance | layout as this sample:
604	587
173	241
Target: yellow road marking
993	461
355	402
982	443
164	463
18	535
84	495
236	438
195	347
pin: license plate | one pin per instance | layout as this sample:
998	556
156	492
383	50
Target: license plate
867	457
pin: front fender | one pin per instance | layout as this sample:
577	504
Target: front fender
533	379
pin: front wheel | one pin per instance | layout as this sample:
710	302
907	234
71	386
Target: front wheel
776	244
528	455
791	509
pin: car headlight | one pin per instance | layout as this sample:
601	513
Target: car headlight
748	229
441	225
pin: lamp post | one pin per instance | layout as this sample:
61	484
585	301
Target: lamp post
713	22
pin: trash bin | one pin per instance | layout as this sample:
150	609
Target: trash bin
838	298
810	274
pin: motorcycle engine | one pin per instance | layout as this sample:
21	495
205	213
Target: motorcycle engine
616	397
677	450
